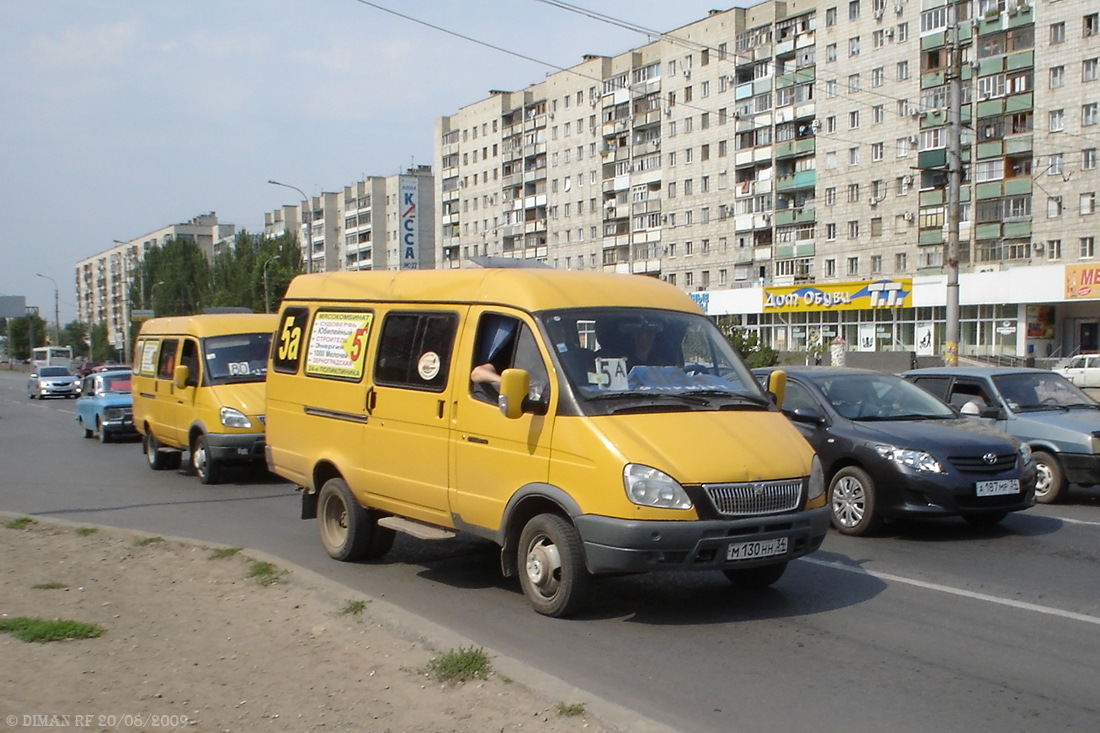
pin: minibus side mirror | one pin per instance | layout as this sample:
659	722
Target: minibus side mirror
182	374
777	387
514	385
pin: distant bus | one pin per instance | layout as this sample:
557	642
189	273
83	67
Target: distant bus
53	356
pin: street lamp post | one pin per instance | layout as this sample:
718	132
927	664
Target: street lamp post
152	300
306	207
56	309
267	301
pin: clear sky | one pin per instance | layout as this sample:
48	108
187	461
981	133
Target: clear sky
119	117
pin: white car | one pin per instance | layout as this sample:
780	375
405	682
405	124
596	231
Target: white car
1083	370
52	381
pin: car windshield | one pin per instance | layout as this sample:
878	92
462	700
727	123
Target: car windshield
237	358
637	359
116	382
53	372
1040	390
879	397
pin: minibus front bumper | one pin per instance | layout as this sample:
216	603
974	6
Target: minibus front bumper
627	546
236	448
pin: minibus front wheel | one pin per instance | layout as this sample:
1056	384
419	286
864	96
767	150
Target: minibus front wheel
551	566
349	532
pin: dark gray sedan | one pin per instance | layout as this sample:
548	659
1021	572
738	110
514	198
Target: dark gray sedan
889	449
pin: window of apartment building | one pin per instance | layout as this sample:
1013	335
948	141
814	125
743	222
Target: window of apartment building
704	89
902	107
672	159
721	148
672	190
853	83
687	94
989	170
830	267
704	184
878	38
689	279
933	139
830	196
933	20
830	160
876	264
830	17
689	187
830	88
1089	69
853	193
877	150
902	147
830	232
853	119
903	70
1056	164
853	9
1088	159
900	262
1057	76
1057	33
1057	120
1054	207
1088	203
1054	249
878	114
853	155
723	277
1090	25
853	266
830	124
853	46
689	156
878	76
1088	247
830	52
876	226
1090	114
688	124
933	59
853	229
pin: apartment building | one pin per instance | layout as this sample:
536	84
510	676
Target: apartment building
787	163
103	280
378	223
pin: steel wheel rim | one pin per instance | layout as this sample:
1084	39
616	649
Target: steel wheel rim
150	449
543	566
202	460
1044	479
334	521
849	502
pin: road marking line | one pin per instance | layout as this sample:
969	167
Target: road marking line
1070	521
1023	605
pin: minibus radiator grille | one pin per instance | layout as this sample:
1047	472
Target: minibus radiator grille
755	497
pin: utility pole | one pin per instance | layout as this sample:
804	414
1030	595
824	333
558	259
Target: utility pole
954	185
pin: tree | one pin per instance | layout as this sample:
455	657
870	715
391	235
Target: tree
19	335
747	343
75	335
102	349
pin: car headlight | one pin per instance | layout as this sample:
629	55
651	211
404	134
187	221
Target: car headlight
647	486
1096	442
234	418
114	413
915	459
817	479
1025	451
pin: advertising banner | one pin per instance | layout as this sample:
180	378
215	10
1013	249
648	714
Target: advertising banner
338	344
410	241
889	293
1082	281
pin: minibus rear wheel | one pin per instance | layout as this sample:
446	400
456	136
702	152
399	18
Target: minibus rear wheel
349	532
551	566
159	460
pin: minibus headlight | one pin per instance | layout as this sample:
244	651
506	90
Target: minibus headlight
817	479
647	486
234	418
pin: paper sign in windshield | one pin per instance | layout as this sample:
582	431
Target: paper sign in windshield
338	345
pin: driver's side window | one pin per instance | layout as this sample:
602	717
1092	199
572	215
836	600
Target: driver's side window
503	343
798	397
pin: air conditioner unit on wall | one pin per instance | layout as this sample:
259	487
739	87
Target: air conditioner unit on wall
908	216
888	33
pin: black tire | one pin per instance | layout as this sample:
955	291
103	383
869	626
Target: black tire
1050	480
349	531
206	468
157	460
104	436
985	519
852	502
754	578
551	566
87	433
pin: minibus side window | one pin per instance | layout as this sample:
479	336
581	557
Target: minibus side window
166	366
189	357
414	350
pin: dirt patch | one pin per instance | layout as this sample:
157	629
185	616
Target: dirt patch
193	642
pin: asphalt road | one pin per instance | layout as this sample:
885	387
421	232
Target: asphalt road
931	627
